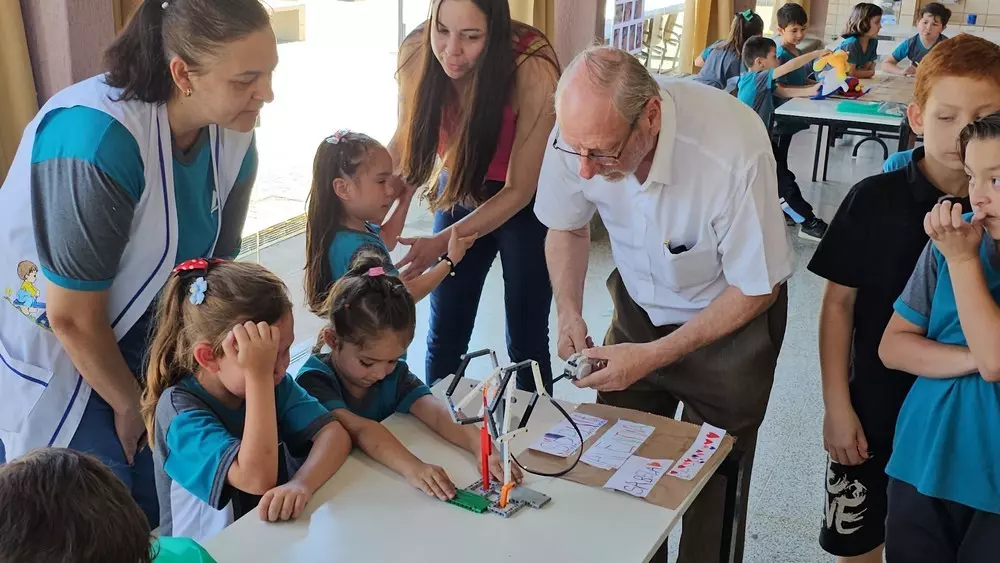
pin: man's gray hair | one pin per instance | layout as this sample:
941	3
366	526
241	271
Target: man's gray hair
618	73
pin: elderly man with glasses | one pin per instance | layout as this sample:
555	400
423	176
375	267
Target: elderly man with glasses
685	182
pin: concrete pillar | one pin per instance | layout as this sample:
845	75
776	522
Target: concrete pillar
578	24
66	40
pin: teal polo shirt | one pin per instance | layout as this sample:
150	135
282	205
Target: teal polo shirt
396	393
947	442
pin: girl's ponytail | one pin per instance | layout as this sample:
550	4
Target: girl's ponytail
137	60
367	302
163	369
746	24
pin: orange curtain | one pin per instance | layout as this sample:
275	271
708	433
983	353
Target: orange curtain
705	21
123	11
539	13
18	99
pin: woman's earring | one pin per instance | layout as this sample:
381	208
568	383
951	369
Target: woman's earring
188	92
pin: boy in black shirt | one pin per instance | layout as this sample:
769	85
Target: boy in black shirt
867	257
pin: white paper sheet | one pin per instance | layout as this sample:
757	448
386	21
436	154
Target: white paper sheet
638	475
617	445
562	440
708	441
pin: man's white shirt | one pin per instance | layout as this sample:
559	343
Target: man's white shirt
712	189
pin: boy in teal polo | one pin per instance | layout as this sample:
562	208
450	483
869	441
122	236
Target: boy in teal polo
933	19
944	491
758	89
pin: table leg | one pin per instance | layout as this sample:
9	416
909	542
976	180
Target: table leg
819	140
732	469
831	138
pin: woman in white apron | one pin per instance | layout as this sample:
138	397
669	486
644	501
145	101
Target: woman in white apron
116	180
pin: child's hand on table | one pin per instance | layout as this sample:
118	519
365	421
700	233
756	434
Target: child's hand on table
431	479
284	502
496	469
956	239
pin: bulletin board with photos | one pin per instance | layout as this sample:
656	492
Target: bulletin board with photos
626	31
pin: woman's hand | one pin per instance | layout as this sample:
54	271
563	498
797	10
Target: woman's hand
496	469
955	238
430	479
424	252
458	246
131	431
284	502
255	348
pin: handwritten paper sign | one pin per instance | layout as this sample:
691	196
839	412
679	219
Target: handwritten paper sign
562	440
638	475
617	445
708	441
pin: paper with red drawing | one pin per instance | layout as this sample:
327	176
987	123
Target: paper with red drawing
708	441
638	475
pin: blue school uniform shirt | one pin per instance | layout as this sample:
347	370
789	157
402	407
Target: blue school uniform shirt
347	244
947	442
857	56
721	66
756	90
84	163
897	161
395	393
198	438
798	77
914	49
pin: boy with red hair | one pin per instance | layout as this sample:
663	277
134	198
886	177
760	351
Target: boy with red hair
867	257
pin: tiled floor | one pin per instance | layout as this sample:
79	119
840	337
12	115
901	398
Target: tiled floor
786	502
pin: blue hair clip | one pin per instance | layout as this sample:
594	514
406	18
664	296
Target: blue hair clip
197	291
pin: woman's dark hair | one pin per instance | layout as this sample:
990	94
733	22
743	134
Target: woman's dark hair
476	130
983	129
860	21
745	25
341	155
362	306
60	505
138	59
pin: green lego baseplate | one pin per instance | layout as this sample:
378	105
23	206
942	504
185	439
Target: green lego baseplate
470	501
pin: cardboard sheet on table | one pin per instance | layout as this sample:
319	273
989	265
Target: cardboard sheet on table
670	440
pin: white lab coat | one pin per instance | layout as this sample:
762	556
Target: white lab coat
42	395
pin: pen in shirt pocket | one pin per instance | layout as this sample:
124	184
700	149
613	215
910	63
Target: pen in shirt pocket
675	249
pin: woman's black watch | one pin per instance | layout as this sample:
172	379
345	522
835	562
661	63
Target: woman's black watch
451	265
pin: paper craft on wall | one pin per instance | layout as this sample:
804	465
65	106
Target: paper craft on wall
617	445
708	441
638	475
627	25
562	440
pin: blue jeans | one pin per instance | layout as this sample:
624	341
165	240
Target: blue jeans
527	296
96	436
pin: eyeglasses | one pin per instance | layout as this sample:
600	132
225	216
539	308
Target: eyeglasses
600	158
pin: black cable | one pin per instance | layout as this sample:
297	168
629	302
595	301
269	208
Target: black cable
578	455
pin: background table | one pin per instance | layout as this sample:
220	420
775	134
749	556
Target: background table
366	512
824	114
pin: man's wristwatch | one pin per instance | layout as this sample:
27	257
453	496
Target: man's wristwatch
451	265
